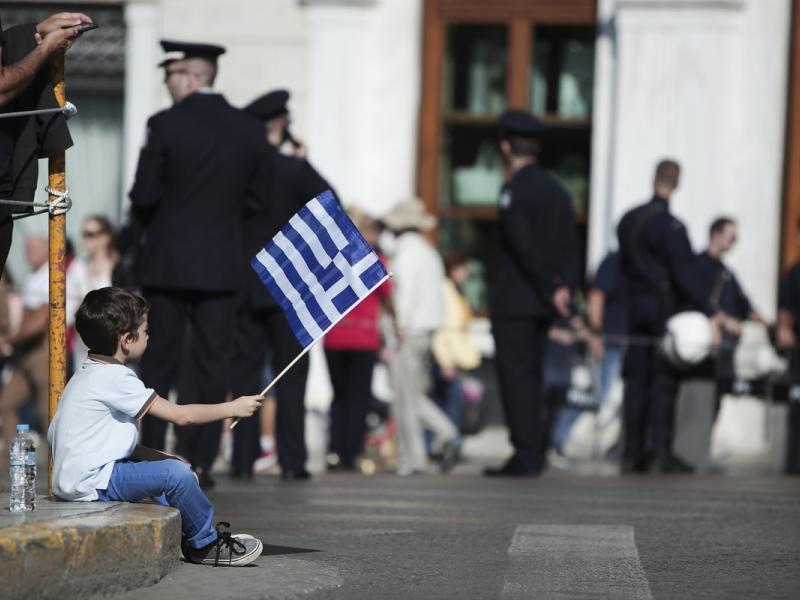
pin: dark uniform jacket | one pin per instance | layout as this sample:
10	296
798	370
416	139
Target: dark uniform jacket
31	137
538	245
657	259
789	295
289	186
719	285
195	172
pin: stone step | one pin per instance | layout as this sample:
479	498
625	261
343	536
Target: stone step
85	549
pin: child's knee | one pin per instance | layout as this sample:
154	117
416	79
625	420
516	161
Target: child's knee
179	473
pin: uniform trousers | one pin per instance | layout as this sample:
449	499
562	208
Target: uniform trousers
792	466
212	319
520	344
258	331
412	409
351	378
651	385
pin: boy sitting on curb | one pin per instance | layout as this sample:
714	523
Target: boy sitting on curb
94	433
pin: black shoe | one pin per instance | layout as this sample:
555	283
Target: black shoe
204	479
451	452
227	551
512	469
242	475
637	465
295	475
670	464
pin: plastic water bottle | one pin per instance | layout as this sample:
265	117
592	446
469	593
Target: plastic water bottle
22	458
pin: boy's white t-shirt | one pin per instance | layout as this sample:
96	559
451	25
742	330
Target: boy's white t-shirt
96	424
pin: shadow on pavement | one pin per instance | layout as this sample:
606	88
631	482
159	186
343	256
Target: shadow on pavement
271	550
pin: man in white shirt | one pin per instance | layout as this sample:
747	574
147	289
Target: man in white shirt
419	305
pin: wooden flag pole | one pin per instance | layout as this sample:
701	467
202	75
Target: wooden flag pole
312	344
281	374
57	324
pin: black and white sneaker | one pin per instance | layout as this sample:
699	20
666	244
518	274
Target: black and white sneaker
227	551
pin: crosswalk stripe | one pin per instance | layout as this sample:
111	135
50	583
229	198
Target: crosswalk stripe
575	561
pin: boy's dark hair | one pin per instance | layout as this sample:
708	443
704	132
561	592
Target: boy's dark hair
720	224
107	314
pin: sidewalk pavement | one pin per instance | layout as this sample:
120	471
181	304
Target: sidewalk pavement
85	549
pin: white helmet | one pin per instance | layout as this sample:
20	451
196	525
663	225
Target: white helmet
688	339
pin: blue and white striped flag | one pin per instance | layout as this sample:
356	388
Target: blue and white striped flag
318	268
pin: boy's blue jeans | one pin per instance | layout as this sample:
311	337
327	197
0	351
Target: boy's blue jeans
168	482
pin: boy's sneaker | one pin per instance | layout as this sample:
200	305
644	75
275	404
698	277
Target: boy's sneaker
227	551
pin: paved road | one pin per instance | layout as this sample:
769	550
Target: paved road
463	536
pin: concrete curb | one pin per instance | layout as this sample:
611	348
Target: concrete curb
89	549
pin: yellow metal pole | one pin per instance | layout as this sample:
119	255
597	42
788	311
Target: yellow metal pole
57	236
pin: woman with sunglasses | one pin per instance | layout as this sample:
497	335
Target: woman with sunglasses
101	256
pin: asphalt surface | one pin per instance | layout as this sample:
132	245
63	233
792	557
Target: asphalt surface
465	536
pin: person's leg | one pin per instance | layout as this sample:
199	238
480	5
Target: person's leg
160	364
610	369
561	415
338	362
638	375
359	396
213	333
290	417
404	373
170	482
663	399
520	345
15	392
557	378
38	369
251	351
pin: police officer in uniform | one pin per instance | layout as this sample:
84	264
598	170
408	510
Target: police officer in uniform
199	162
261	323
722	289
660	273
788	334
536	269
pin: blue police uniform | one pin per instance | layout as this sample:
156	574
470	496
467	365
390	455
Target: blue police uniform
261	324
789	300
194	175
537	255
658	265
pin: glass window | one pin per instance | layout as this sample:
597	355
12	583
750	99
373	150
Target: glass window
475	69
471	165
562	71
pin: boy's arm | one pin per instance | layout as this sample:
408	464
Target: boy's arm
194	414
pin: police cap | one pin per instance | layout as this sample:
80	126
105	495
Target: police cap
183	50
269	105
519	123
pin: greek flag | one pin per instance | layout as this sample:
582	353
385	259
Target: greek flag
318	268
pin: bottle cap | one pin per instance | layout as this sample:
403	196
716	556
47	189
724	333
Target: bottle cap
23	427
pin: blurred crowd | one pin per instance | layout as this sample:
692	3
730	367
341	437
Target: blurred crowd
214	183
